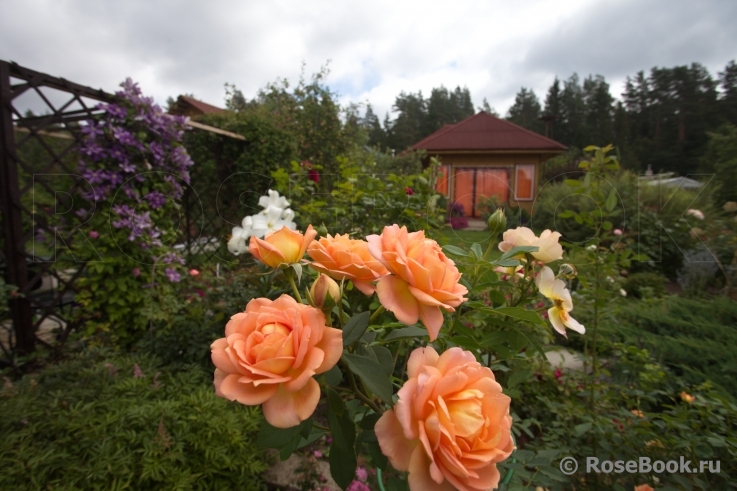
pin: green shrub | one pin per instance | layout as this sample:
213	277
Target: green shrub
638	412
190	317
645	285
95	421
363	201
693	337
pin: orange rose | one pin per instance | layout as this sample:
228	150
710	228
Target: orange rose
341	257
270	353
423	280
451	425
686	397
285	246
644	487
548	247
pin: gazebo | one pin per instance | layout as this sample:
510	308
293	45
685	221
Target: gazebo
485	156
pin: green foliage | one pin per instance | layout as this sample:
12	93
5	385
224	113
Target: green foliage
363	201
525	111
556	197
694	338
639	413
229	174
99	421
188	318
720	159
418	117
645	285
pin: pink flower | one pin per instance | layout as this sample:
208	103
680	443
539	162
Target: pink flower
137	373
357	486
93	234
270	353
557	373
313	175
317	454
617	232
136	272
422	281
194	272
408	191
451	425
361	474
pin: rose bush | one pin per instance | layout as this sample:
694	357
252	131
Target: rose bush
435	329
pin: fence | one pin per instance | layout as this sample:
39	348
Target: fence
38	157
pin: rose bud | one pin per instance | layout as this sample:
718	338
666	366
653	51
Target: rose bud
497	222
325	293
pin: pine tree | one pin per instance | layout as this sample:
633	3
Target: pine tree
526	111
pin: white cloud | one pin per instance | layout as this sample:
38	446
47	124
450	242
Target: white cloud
377	49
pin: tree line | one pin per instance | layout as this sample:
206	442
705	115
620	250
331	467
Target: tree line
663	119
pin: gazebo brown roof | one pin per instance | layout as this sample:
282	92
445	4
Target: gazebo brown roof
188	106
484	132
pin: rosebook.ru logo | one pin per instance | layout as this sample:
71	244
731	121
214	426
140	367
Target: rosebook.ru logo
644	465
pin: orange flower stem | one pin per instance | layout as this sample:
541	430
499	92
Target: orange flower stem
377	313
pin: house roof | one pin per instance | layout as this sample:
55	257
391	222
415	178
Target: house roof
483	131
185	103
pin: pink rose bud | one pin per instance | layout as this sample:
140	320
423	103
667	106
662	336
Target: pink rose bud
93	234
194	272
136	272
617	231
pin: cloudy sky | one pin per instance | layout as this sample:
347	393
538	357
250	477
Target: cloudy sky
375	48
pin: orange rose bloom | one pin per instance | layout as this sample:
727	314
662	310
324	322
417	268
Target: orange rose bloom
285	246
423	280
451	425
341	257
644	487
270	353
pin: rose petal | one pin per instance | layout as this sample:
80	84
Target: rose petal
286	409
419	473
395	296
245	393
393	442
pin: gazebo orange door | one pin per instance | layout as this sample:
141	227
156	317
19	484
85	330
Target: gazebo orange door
472	184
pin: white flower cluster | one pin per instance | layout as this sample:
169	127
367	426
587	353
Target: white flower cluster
275	215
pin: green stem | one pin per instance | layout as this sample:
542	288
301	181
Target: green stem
510	473
380	479
289	273
360	394
377	313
